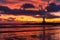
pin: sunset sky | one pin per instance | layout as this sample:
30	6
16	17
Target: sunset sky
17	3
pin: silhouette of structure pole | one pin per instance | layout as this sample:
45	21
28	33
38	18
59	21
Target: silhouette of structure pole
43	15
43	27
43	19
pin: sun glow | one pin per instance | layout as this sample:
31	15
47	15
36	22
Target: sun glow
53	20
21	18
26	19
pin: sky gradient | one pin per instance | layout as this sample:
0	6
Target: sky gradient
16	4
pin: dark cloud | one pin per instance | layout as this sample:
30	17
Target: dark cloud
58	0
5	1
2	1
12	1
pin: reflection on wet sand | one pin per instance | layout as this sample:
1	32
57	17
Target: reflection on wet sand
30	33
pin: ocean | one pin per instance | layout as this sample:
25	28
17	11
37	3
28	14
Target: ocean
29	32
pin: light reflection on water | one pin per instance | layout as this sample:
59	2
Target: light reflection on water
51	33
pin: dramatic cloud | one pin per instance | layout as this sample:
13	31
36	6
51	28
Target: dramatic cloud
57	0
2	1
18	3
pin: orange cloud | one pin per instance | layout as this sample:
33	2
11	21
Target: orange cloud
17	3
